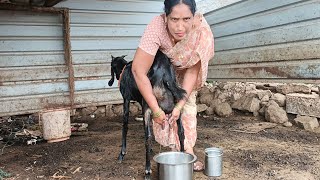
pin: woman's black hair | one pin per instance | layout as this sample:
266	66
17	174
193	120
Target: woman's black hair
169	4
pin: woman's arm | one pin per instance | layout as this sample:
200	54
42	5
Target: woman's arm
189	81
142	62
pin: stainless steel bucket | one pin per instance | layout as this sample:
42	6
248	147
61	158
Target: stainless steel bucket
175	165
213	161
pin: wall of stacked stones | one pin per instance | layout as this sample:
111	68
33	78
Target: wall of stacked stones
285	104
273	102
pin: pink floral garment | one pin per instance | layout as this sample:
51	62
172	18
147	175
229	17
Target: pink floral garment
198	45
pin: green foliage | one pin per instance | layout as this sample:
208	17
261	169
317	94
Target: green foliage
4	174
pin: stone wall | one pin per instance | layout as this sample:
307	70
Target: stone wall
273	102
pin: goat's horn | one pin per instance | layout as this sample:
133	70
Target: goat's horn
123	56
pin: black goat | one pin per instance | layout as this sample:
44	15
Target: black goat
165	88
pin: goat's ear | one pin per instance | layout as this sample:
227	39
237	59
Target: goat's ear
123	56
112	57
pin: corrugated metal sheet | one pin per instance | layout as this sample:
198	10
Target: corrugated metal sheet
100	29
32	65
33	71
266	40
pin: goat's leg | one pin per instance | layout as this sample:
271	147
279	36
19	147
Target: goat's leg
123	152
181	134
148	140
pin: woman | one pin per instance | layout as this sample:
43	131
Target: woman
186	38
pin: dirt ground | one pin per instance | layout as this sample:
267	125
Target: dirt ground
286	153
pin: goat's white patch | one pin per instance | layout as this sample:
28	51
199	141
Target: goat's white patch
158	93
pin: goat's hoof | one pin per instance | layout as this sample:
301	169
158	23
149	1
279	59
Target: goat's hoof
147	177
120	158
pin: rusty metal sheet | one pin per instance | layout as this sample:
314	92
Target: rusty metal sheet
100	57
33	73
35	62
55	86
308	70
154	6
302	31
110	17
104	43
32	104
26	59
130	30
273	53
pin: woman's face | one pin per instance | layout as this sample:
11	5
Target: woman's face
180	21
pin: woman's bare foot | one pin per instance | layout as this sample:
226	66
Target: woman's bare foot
198	165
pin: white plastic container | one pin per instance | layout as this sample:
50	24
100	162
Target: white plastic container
56	125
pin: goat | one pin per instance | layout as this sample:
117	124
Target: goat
166	90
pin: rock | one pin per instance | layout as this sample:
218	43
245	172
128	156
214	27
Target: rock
109	111
307	123
206	98
228	86
239	88
118	110
262	110
223	110
204	90
138	105
223	96
280	99
250	87
248	102
315	89
88	110
134	110
293	88
236	96
263	93
303	104
221	85
209	111
262	103
287	124
265	98
215	103
77	114
274	113
101	111
201	107
255	114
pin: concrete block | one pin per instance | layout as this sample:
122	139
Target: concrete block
303	104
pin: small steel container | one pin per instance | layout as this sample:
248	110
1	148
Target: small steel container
213	161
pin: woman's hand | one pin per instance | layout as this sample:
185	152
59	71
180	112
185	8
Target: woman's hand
175	114
159	117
